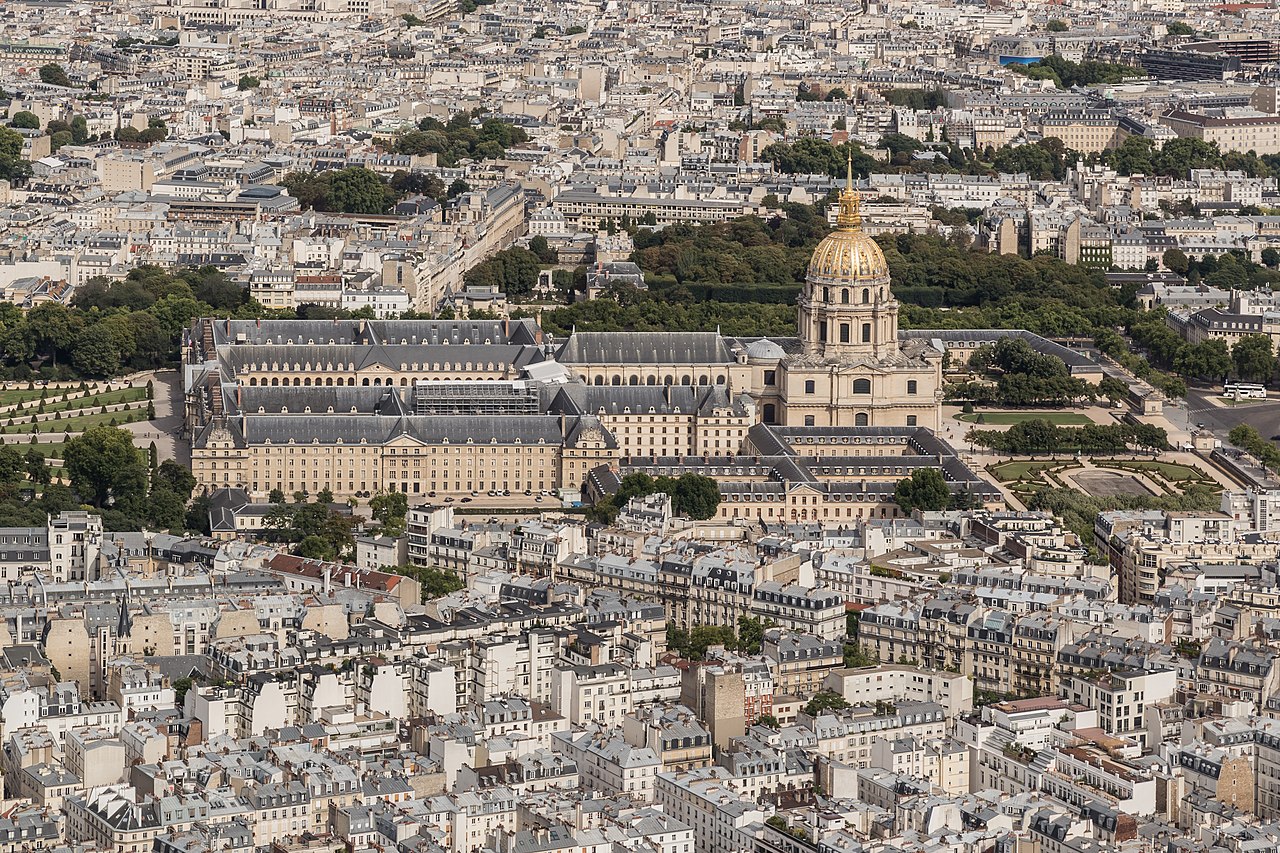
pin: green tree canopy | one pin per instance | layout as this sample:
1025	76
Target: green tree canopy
389	510
925	489
104	467
824	701
1254	358
53	74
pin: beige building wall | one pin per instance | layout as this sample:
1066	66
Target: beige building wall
327	619
119	174
66	645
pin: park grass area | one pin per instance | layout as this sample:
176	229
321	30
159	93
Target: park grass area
79	423
107	398
55	403
1008	472
1171	471
14	396
47	449
1011	418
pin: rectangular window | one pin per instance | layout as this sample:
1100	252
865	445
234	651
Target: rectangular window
809	386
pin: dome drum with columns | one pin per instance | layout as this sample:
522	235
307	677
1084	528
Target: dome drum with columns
851	369
847	366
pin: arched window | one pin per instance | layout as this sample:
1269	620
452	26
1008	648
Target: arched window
866	296
862	386
844	333
866	333
651	380
599	380
844	296
617	380
634	380
770	413
912	386
860	419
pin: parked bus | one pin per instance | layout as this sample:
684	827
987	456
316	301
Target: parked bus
1244	390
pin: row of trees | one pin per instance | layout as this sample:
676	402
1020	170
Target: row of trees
1040	436
1027	377
107	472
1109	341
692	495
1044	160
113	327
644	311
1251	441
698	280
1065	74
747	251
764	261
1138	155
1232	270
435	582
1251	357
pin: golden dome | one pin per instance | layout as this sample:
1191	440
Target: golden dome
847	254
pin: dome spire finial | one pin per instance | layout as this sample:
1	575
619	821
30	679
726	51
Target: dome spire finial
850	215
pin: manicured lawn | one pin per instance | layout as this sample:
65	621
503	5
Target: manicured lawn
1010	418
44	448
78	423
107	398
1171	471
15	396
55	403
1008	472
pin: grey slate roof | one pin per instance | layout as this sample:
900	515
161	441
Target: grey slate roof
380	429
576	398
644	348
